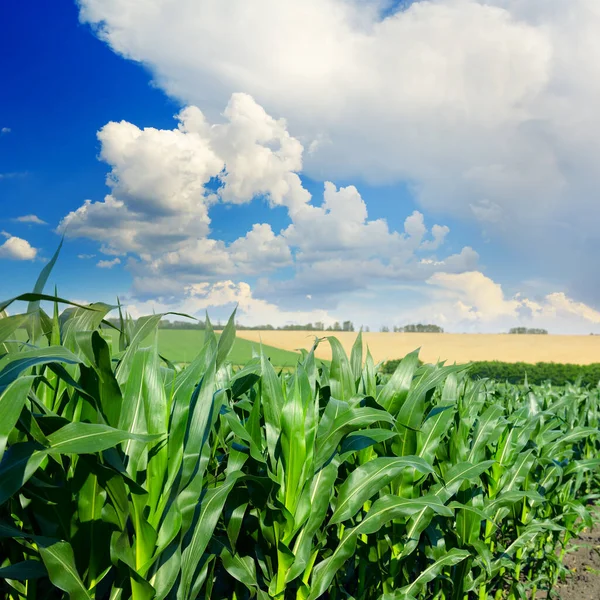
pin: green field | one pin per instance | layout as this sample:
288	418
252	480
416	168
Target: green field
183	345
122	477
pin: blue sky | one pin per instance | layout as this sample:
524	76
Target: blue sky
378	161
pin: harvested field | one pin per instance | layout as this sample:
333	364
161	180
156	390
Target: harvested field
460	348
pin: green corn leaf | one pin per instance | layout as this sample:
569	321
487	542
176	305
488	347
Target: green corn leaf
293	443
241	568
23	571
196	543
484	432
60	562
226	340
8	325
317	497
433	429
575	435
12	365
395	391
35	326
34	297
76	323
453	557
144	327
454	478
356	357
578	466
369	379
383	511
20	462
88	438
271	397
168	570
12	400
337	423
513	477
186	388
359	440
205	408
103	383
365	481
341	378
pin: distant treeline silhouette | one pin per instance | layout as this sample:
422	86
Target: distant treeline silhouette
526	330
201	325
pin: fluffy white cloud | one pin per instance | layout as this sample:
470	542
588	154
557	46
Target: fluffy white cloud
222	297
5	130
108	264
17	248
33	219
259	251
159	178
163	186
439	233
473	301
486	107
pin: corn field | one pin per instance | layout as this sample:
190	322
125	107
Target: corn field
123	476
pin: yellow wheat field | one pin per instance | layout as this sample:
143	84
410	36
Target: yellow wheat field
460	348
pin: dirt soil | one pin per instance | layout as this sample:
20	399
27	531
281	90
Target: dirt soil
583	563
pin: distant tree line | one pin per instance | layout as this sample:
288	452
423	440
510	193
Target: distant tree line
318	326
413	328
526	330
201	325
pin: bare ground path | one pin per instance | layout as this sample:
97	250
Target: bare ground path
460	348
583	562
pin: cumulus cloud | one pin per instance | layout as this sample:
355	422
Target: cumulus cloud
472	301
108	264
16	248
33	219
164	183
86	256
5	130
223	297
485	107
159	178
438	233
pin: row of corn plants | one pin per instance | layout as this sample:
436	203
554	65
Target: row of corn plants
123	476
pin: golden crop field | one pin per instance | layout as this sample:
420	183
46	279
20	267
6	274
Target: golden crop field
452	347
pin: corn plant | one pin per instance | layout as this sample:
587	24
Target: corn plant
125	476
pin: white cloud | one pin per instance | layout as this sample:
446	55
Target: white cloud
439	233
465	302
486	107
158	210
159	196
471	301
5	130
108	264
86	256
16	248
33	219
223	297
